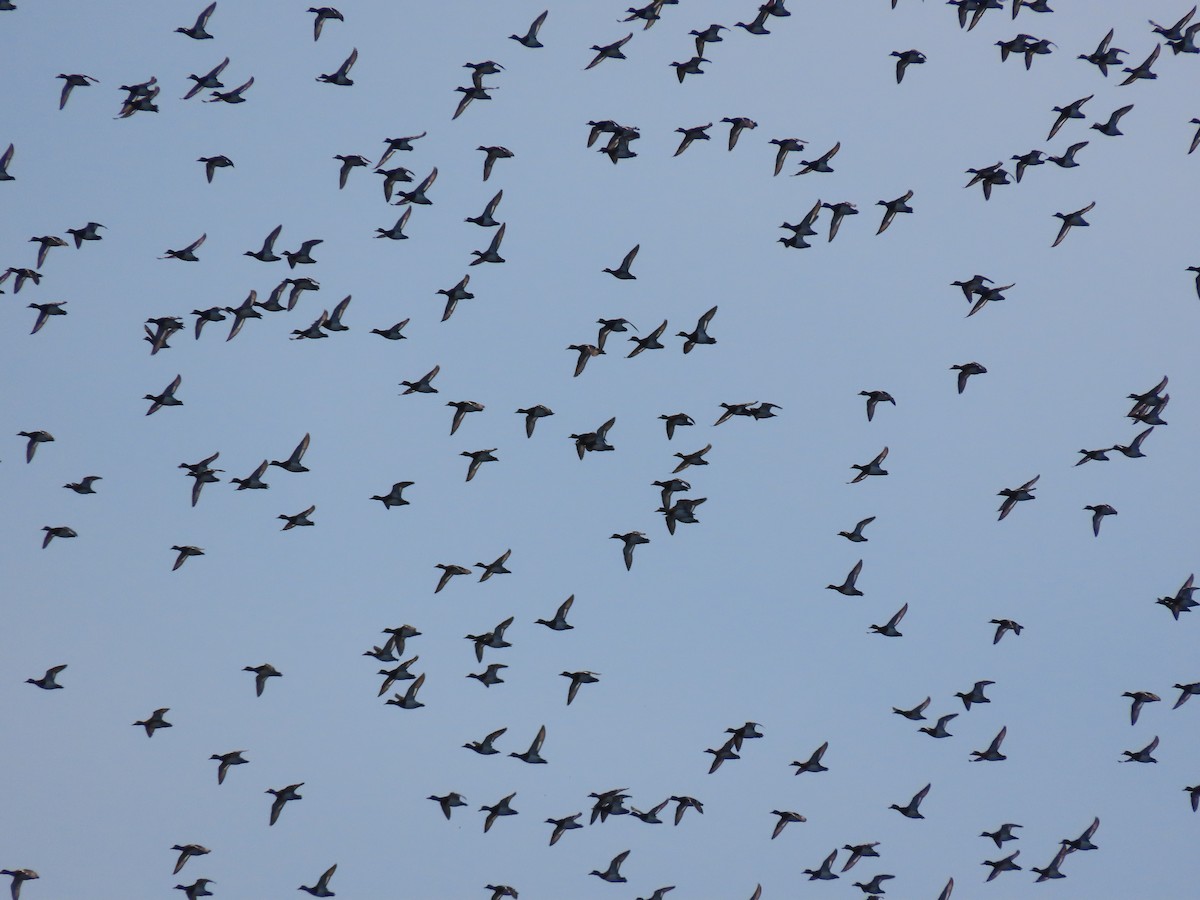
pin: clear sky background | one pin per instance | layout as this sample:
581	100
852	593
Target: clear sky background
726	621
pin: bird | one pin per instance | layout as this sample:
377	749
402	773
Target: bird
475	92
399	673
261	674
496	567
409	700
563	825
396	232
461	408
45	242
710	35
813	763
847	587
502	807
613	873
992	753
757	24
683	804
478	458
300	518
282	797
874	886
578	678
530	38
212	163
821	163
825	871
188	253
393	333
1185	690
1067	160
622	271
1103	57
394	496
267	253
341	75
975	695
234	96
395	145
1051	870
1133	450
987	178
649	342
889	629
533	754
455	294
1013	496
737	124
871	468
874	398
696	133
45	311
184	552
1002	865
1099	511
726	751
321	888
674	421
70	82
785	818
1024	161
650	816
1110	127
448	572
196	31
1142	70
1003	626
1002	834
499	891
1143	755
965	371
1191	149
186	852
608	51
153	722
48	681
630	540
912	809
225	760
891	207
532	414
34	439
857	852
303	255
840	211
292	463
916	713
1084	841
5	160
939	729
448	802
786	146
491	254
1140	699
1073	110
417	194
699	335
904	59
323	14
559	621
696	458
199	887
423	384
493	154
487	219
84	485
59	531
484	747
166	398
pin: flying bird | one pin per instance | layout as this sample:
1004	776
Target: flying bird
196	31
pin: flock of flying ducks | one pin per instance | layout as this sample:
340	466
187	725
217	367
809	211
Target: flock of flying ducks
978	290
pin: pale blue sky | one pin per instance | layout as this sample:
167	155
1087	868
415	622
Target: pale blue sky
725	622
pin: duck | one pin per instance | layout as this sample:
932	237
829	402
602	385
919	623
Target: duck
689	67
1073	110
1100	455
212	163
1142	70
737	124
293	462
847	588
1003	626
988	177
630	540
1002	865
695	458
299	519
234	96
916	714
1099	511
188	253
889	629
1013	496
341	75
399	673
683	510
449	570
225	760
496	567
48	682
334	322
267	253
1134	449
912	809
1141	756
87	233
594	441
5	161
84	485
494	639
475	92
34	439
710	35
422	385
323	14
874	398
578	678
1067	160
70	82
1103	57
199	887
992	753
533	754
491	254
813	763
532	414
454	294
186	852
261	674
840	211
786	146
758	23
45	242
530	38
975	695
821	163
484	747
448	802
671	487
1110	127
19	876
394	497
696	133
622	271
283	796
675	420
650	816
45	311
608	51
939	729
393	333
303	256
155	721
502	807
196	31
1051	870
683	804
1186	690
824	872
1025	160
874	886
726	751
699	335
906	58
493	154
1002	834
396	232
487	219
965	371
409	700
857	852
321	888
891	208
313	331
871	468
478	458
57	531
395	145
558	622
563	825
417	194
185	551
